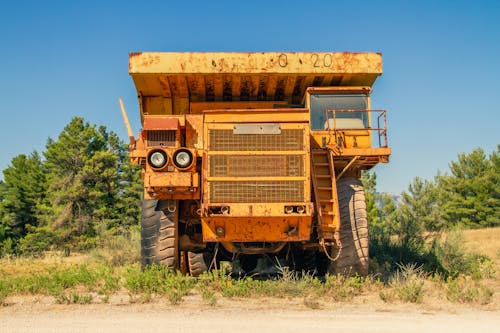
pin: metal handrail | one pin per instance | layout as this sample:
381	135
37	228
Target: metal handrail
381	128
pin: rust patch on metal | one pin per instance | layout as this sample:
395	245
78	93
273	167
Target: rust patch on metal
227	89
209	89
262	93
134	54
296	95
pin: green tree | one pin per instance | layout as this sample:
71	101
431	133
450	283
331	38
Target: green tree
470	194
369	180
127	205
381	210
417	212
387	213
20	192
88	181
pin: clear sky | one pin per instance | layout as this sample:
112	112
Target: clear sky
61	59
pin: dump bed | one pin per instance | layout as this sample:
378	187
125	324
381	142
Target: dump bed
171	83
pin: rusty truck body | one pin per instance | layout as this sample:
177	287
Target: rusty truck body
246	155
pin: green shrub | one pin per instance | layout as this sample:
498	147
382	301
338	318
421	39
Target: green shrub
6	247
37	241
452	259
4	290
465	290
387	295
209	297
343	288
408	284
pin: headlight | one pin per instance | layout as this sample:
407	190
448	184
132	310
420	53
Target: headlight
182	158
158	159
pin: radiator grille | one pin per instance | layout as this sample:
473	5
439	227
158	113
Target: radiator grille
256	166
256	191
161	138
225	140
240	163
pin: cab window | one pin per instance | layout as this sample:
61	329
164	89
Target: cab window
322	102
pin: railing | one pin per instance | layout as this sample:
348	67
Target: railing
337	121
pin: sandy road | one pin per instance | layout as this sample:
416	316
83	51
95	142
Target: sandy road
146	318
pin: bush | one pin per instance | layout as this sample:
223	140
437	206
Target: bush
36	242
406	285
450	258
445	254
6	247
466	290
4	290
343	288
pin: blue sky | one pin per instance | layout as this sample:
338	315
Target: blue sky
61	59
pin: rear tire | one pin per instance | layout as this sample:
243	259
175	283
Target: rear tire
353	258
197	263
159	239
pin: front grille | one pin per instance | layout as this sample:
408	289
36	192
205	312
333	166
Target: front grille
256	191
161	138
256	166
226	140
229	158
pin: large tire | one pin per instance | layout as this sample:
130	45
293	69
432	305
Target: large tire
197	263
353	258
159	239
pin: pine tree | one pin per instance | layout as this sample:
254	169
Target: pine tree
470	195
369	180
90	183
411	214
381	211
20	192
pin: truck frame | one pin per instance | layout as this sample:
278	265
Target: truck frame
247	156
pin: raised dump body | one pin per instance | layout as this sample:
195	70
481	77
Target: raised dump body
251	154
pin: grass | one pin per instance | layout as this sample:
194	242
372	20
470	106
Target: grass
158	280
96	278
484	241
74	298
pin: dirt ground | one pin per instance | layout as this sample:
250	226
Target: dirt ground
41	315
148	318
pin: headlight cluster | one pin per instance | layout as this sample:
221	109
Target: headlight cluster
158	159
181	158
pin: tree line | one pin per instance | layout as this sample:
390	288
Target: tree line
409	231
82	189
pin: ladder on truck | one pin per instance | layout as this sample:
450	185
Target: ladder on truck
325	194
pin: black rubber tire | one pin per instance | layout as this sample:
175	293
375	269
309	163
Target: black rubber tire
159	240
354	256
197	263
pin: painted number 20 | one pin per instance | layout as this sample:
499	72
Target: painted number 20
322	61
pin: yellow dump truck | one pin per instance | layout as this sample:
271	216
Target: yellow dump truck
248	156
